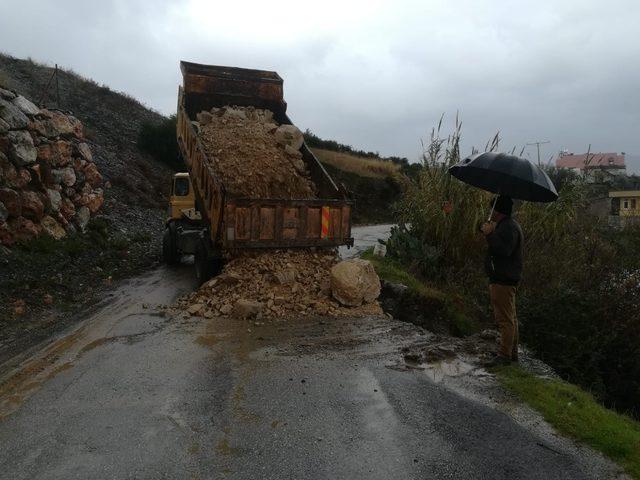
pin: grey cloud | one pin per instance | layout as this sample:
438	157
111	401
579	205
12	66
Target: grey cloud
559	71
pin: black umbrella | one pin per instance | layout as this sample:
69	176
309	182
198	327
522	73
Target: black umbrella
506	175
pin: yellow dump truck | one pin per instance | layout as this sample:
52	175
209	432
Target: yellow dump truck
205	222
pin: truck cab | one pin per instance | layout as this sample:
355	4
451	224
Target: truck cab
184	222
182	202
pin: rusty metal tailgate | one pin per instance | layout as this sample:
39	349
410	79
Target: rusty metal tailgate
250	223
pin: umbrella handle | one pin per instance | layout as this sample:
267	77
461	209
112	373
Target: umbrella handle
493	207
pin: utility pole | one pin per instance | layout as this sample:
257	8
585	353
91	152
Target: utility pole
537	144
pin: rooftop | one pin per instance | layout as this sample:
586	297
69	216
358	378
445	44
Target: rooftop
624	193
596	160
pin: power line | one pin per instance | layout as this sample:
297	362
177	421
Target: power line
537	144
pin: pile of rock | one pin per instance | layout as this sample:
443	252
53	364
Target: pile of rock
253	155
48	180
288	283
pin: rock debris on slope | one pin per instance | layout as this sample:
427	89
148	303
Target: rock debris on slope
48	180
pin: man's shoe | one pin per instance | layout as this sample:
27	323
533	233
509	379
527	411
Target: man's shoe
498	361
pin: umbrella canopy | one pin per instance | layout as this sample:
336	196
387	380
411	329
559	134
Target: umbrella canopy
507	175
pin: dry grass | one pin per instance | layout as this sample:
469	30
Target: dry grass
365	167
5	81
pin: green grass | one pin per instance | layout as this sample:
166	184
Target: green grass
575	413
393	271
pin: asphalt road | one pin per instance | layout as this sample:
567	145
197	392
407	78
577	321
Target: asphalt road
137	393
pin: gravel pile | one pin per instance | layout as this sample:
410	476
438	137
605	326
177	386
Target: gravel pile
273	284
253	155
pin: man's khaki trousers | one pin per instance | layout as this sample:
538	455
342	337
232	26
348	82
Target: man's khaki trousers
503	301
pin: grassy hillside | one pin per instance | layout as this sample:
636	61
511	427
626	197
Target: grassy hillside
375	182
362	166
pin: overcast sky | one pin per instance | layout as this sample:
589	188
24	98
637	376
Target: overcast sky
374	74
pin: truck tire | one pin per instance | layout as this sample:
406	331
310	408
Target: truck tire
206	264
169	249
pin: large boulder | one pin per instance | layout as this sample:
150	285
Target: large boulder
24	229
82	217
354	282
85	152
57	154
11	200
95	200
52	228
68	209
21	149
12	115
64	176
25	105
92	175
21	179
57	124
32	206
8	172
55	199
7	94
289	135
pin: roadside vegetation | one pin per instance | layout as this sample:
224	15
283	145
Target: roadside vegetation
363	166
158	139
355	155
437	308
375	182
580	296
577	414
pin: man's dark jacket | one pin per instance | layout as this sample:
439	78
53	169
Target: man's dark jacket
504	256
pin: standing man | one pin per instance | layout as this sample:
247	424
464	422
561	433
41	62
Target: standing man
503	266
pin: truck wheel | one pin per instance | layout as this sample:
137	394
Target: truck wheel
169	250
201	262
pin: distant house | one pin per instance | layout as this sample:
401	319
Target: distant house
625	207
596	166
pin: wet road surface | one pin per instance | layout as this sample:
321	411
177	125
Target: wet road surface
365	237
135	392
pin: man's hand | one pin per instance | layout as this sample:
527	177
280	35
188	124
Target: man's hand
488	228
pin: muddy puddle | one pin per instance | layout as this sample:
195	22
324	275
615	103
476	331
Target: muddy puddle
455	367
440	370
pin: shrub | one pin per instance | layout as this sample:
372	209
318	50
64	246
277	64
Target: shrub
444	213
159	140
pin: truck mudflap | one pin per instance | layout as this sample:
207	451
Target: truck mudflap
250	223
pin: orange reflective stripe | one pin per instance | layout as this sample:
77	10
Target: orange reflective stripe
325	223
